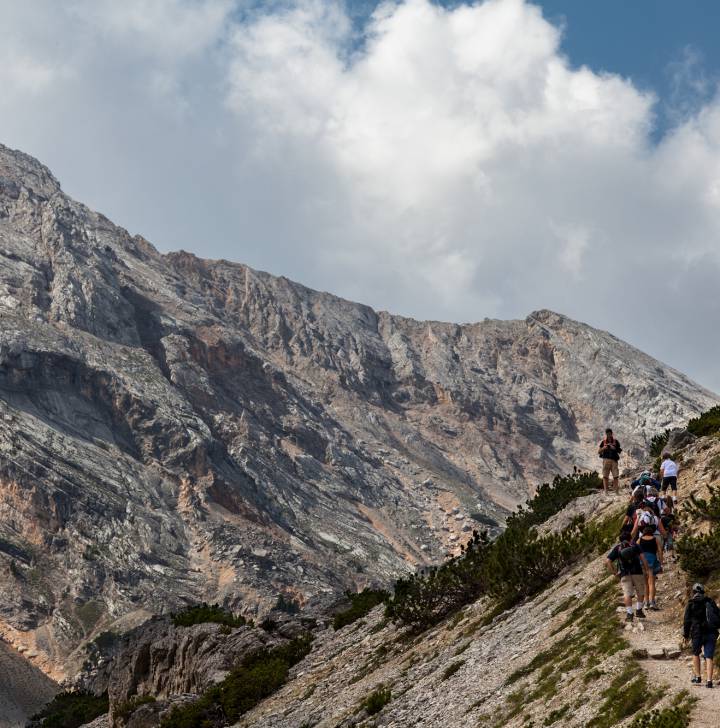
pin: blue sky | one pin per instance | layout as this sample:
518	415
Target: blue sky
481	160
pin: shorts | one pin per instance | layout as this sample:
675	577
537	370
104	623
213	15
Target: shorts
706	644
610	466
653	562
633	583
669	482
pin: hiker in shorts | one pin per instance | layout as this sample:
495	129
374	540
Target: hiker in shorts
609	450
701	624
627	562
669	475
651	546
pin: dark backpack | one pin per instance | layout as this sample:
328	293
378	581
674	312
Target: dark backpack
712	614
627	554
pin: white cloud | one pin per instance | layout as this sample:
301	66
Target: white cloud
448	164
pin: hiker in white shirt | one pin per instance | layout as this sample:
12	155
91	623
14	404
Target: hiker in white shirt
669	475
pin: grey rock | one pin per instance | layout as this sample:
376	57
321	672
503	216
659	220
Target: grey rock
160	412
679	439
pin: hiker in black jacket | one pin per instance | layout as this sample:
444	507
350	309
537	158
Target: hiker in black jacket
609	451
702	621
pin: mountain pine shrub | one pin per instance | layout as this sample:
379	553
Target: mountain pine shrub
658	442
259	675
360	604
700	555
708	423
202	613
706	509
71	710
676	716
517	564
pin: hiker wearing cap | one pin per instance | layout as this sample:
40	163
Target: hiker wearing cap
651	547
609	450
646	483
701	624
668	475
627	562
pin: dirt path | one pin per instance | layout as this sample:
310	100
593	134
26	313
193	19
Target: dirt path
23	688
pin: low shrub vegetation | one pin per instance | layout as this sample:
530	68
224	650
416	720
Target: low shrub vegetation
202	613
676	716
360	605
71	710
657	444
700	555
706	509
123	711
377	700
259	675
516	565
708	423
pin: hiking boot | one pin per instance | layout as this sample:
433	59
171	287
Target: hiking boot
640	614
696	680
629	617
708	684
654	607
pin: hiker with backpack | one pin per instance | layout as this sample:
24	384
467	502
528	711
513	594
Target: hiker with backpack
651	547
669	475
647	482
669	522
609	450
627	562
702	624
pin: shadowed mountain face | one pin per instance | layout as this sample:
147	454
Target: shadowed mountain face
174	429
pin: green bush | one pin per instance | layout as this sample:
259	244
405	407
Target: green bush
700	555
124	710
708	423
287	605
551	498
360	605
377	700
202	613
704	509
259	675
517	564
71	710
657	444
676	716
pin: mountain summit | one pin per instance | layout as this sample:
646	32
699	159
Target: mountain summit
174	430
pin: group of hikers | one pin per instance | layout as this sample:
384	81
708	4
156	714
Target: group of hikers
646	541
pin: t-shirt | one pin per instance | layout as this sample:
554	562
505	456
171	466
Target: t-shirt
609	449
627	566
669	468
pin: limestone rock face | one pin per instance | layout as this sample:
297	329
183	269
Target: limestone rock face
175	430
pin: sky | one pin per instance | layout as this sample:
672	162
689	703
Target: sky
450	161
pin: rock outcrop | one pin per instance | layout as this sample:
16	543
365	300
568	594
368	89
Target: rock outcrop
174	430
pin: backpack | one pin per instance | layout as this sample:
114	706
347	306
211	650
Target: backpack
712	614
627	554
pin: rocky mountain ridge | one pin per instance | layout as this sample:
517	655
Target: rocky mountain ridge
174	430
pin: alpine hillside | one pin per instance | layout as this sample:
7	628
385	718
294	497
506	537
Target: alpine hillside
174	430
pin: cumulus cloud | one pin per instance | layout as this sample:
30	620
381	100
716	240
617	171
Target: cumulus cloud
441	163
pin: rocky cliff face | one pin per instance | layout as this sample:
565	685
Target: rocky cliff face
175	430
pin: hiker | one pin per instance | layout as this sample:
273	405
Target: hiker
669	475
651	547
636	501
669	522
701	623
646	482
646	515
609	450
627	562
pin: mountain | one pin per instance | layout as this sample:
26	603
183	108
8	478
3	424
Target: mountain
174	430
